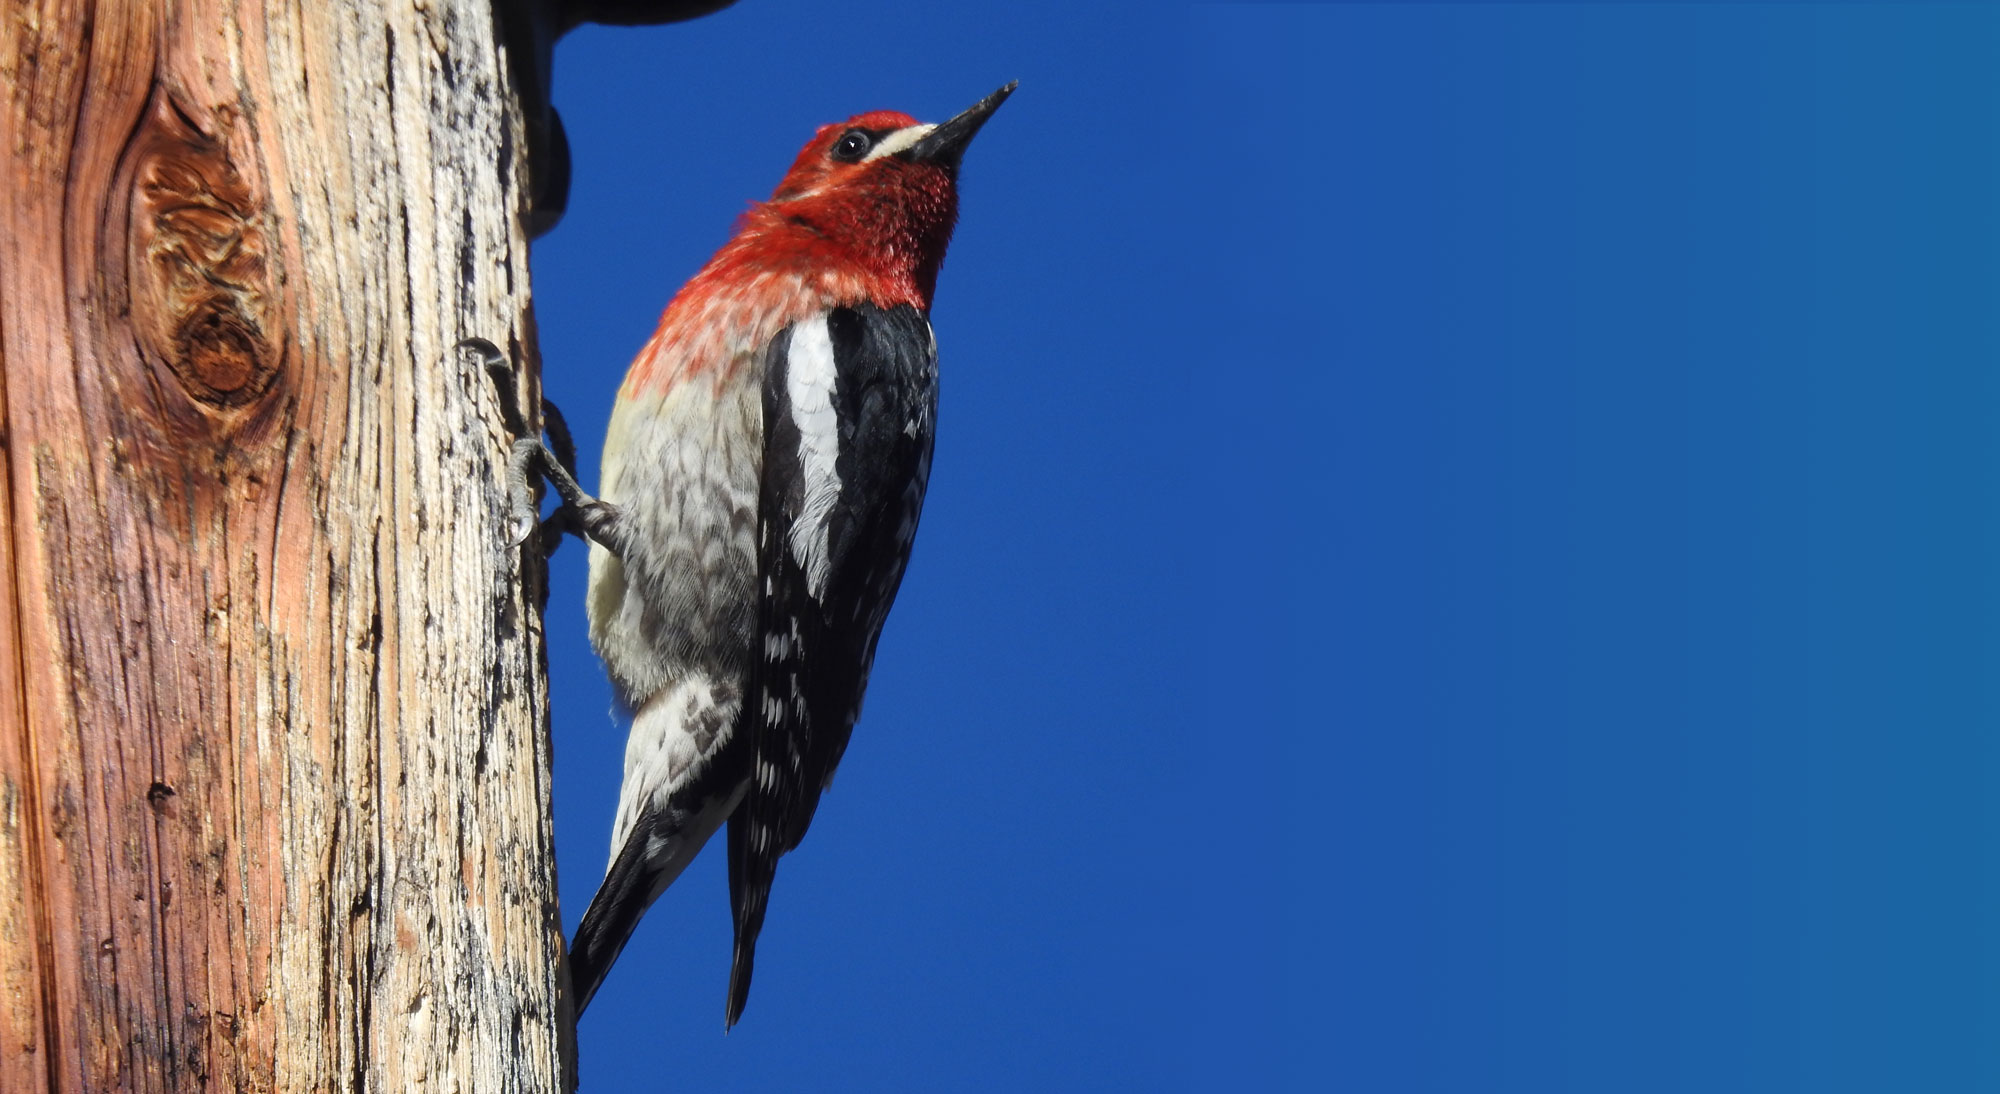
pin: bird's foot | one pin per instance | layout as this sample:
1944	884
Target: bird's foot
531	460
586	516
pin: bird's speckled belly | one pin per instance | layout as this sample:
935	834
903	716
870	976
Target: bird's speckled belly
684	470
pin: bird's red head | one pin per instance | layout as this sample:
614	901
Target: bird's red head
863	216
879	191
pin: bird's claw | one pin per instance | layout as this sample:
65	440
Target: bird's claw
529	459
526	513
501	371
591	519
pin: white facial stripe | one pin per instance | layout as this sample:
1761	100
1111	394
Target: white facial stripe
898	141
809	374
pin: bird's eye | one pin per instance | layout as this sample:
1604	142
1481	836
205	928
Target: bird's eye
852	145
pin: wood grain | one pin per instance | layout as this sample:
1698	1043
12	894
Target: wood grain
274	795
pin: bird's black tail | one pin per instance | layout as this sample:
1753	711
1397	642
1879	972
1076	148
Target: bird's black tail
608	922
750	878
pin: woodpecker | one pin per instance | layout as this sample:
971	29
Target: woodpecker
763	474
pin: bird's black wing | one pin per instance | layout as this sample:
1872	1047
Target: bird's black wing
850	404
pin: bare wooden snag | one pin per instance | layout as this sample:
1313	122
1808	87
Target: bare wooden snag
274	776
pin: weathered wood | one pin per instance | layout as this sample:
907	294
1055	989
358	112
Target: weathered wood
274	801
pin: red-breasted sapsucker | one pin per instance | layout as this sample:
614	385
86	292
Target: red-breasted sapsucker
762	479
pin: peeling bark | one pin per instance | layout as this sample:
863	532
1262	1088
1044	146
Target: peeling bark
274	775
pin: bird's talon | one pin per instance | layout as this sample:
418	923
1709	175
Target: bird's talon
524	526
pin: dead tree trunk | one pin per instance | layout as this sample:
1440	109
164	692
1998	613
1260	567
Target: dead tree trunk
274	781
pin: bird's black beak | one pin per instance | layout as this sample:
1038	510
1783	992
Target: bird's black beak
945	144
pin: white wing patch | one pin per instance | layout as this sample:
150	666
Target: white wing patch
809	378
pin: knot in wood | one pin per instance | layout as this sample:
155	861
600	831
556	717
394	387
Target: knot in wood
220	356
201	280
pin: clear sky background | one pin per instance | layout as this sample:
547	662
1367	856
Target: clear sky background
1461	555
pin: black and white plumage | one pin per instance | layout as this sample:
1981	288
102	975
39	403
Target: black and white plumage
850	401
744	642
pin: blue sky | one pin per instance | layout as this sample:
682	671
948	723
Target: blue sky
1460	554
